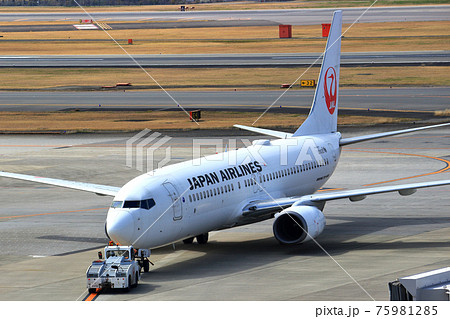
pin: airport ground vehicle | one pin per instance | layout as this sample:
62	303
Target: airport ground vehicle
119	270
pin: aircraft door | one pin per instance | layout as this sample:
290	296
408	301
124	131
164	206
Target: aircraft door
258	182
176	201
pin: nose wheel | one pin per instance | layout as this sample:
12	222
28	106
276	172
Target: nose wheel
145	264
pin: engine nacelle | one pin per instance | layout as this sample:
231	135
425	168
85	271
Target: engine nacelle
298	224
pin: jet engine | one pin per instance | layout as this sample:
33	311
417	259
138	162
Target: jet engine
298	224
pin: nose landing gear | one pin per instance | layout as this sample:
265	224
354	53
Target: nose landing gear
142	258
201	239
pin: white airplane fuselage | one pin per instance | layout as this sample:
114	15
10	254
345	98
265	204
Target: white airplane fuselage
201	195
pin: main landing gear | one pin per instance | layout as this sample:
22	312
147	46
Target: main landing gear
201	239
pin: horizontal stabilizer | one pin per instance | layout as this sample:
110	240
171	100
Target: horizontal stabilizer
358	139
264	131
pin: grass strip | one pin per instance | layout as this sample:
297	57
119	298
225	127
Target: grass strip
211	78
107	121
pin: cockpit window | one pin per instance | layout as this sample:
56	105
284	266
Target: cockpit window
146	203
116	204
132	204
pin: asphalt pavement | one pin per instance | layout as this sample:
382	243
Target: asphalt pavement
289	16
415	99
51	235
249	60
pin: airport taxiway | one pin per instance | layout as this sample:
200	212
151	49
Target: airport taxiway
428	99
49	235
283	16
249	60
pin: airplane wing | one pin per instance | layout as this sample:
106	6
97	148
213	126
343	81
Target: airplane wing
103	190
262	208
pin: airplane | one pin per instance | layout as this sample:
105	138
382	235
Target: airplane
273	178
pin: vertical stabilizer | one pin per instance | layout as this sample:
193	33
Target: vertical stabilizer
322	118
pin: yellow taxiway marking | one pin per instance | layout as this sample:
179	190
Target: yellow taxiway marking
447	165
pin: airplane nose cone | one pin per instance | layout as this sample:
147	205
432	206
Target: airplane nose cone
120	227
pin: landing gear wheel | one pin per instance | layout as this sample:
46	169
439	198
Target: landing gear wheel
202	239
92	290
188	240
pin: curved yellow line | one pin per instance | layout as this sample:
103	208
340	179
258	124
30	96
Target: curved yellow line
447	166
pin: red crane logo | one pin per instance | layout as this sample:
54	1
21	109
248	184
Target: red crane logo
330	88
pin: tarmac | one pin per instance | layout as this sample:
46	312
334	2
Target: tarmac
241	17
49	235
